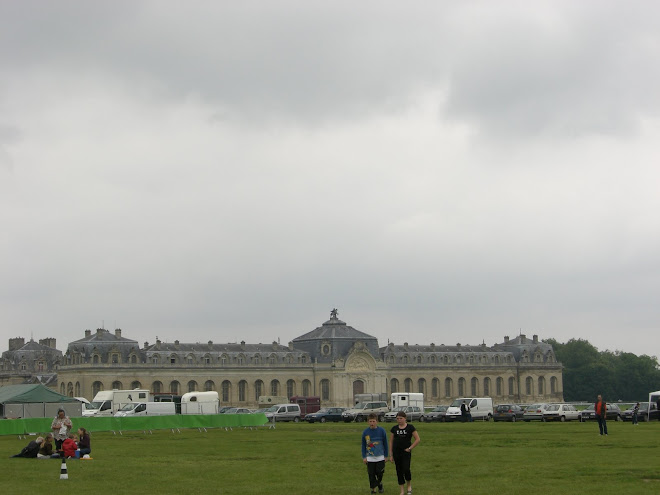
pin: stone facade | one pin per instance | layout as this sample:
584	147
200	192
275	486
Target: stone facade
334	361
30	363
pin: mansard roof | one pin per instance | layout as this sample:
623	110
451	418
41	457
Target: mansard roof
439	349
230	348
103	336
334	329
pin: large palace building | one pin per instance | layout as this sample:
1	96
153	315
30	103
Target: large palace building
334	361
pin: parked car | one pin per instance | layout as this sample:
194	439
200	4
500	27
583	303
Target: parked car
435	414
238	410
283	412
535	412
508	412
413	413
560	412
362	410
643	414
224	409
613	413
326	414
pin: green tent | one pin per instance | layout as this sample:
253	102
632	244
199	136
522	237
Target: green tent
23	394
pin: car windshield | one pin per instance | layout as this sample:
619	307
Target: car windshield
322	411
458	402
271	409
397	409
128	407
533	407
94	405
360	405
440	409
553	407
503	408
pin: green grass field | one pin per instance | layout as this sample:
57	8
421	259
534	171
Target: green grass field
456	458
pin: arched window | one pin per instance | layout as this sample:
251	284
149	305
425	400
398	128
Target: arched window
274	387
435	386
325	389
175	386
290	388
407	385
96	359
242	391
392	359
553	385
272	359
497	359
77	389
155	359
448	387
135	384
209	386
224	359
529	383
96	388
394	385
192	386
474	387
486	387
461	387
405	359
512	386
258	389
133	359
173	359
63	389
69	389
445	359
541	381
432	358
421	386
226	390
190	360
157	387
117	385
419	359
499	384
306	388
256	359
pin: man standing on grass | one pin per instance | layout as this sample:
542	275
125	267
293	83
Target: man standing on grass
601	415
374	450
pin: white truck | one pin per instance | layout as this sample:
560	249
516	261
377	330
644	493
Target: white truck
478	407
200	403
147	409
407	399
108	402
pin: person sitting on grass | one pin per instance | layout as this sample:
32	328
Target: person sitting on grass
69	446
46	450
84	442
31	450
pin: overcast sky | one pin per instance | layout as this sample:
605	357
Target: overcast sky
438	171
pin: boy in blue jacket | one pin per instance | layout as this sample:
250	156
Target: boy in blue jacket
374	452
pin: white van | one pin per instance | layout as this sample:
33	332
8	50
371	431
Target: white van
108	402
200	403
283	412
146	409
400	399
480	408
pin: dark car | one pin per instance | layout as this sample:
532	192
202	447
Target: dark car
326	414
508	412
436	414
643	414
613	413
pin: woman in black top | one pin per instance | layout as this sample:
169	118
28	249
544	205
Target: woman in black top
401	444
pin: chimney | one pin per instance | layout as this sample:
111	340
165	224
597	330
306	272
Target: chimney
49	342
176	343
290	345
99	331
535	338
432	346
118	333
146	344
506	339
242	344
210	342
88	333
523	338
16	343
405	345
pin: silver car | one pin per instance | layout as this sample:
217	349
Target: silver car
535	412
413	413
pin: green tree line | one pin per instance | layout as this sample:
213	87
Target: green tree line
616	375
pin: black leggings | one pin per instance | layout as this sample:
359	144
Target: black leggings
402	463
375	470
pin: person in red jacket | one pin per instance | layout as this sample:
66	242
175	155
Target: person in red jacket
69	446
601	414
